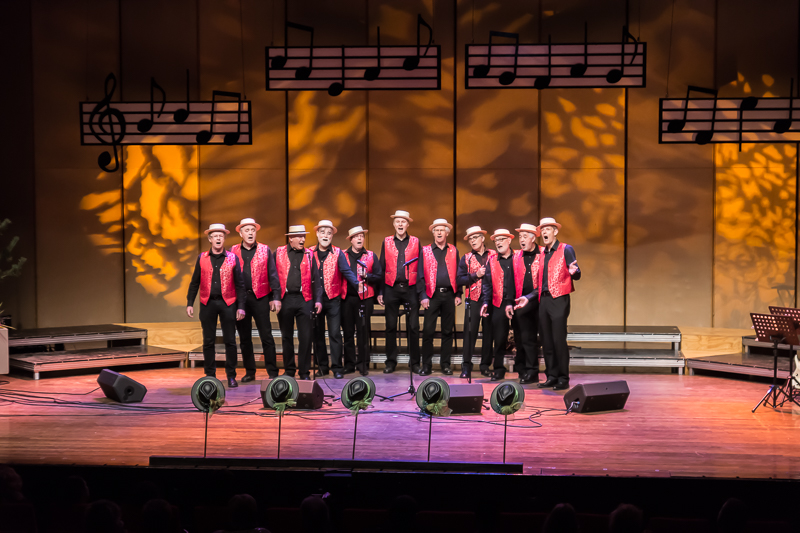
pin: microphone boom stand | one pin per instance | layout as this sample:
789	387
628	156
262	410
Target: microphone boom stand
407	306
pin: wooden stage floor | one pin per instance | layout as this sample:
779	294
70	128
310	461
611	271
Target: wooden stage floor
672	426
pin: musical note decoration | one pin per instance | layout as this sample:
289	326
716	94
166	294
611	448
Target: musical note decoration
347	68
556	65
226	119
718	120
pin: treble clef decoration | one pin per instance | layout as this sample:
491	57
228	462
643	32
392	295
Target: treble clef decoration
101	114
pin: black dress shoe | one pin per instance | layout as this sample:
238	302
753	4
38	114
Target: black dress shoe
447	371
547	384
349	370
271	376
465	373
321	373
304	378
364	372
426	371
561	385
485	371
232	383
248	378
415	369
498	376
528	378
389	368
338	375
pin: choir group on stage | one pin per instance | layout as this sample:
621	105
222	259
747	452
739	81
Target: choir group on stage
526	290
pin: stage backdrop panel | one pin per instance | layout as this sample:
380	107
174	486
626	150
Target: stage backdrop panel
497	175
755	211
670	187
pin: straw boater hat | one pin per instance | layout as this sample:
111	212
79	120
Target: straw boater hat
352	232
297	230
402	214
530	228
217	227
248	222
473	230
440	222
325	224
549	222
502	232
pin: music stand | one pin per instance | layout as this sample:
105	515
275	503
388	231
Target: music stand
794	384
777	329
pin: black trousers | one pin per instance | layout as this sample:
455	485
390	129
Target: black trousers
553	314
331	310
473	326
442	304
294	308
527	339
352	327
393	297
258	309
216	308
500	329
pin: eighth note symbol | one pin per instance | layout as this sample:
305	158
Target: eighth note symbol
146	124
412	62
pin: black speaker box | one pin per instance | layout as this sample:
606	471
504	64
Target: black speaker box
466	399
120	388
594	397
310	396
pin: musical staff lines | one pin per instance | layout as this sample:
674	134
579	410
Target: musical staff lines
173	123
346	68
728	120
543	66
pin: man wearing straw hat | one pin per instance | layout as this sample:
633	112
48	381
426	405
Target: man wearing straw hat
501	287
399	256
263	295
556	268
333	273
217	275
526	363
366	266
442	293
471	270
299	297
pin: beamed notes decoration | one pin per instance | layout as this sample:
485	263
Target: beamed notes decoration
543	66
226	119
347	68
727	120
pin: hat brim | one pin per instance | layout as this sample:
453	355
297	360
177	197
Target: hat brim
474	233
410	220
332	227
348	402
537	232
494	402
295	393
445	387
509	235
296	233
225	231
554	224
202	405
358	233
240	226
430	228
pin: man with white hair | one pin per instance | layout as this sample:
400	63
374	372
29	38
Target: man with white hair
399	256
300	296
263	291
439	294
471	270
364	263
555	269
217	275
333	272
526	362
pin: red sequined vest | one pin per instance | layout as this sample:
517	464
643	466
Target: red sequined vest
258	268
225	278
412	251
431	265
283	264
369	260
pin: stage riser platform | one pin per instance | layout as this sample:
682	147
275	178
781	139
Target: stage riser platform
98	359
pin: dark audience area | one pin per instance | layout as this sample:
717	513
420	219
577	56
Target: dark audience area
125	500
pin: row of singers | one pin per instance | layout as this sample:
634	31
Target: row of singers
525	290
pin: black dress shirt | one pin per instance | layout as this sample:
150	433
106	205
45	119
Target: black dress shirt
294	279
401	246
569	257
528	258
217	261
464	277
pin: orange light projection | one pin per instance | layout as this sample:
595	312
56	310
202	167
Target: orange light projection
159	218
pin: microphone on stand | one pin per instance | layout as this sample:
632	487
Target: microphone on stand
410	261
